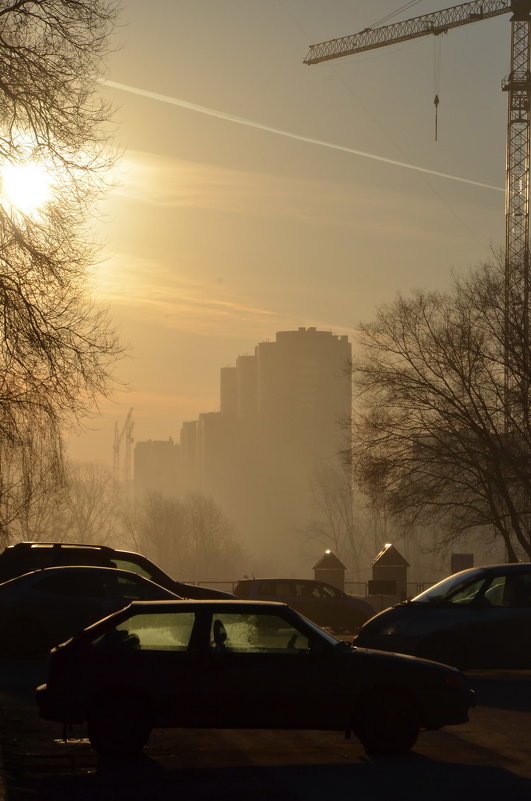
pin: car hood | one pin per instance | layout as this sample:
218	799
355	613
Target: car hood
404	663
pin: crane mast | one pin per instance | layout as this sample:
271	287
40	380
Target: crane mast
517	176
518	87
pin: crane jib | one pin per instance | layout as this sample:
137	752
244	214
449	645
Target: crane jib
432	24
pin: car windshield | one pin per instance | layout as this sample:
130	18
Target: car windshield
321	632
457	589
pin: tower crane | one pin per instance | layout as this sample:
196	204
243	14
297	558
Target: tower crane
126	433
517	179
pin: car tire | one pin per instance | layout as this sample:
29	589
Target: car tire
442	648
387	723
118	724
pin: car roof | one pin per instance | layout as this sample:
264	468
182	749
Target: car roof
201	603
268	578
28	544
501	567
61	569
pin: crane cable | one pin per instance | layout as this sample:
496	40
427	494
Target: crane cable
395	12
436	78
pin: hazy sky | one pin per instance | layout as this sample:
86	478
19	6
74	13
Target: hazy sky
247	202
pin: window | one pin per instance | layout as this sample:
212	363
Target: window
280	589
326	592
495	593
465	595
166	631
76	584
124	564
517	590
131	588
251	633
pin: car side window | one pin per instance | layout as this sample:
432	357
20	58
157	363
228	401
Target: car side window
305	589
125	564
326	592
72	584
465	595
517	590
129	588
255	634
496	592
166	631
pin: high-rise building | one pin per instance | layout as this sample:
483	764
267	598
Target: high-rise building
157	467
284	412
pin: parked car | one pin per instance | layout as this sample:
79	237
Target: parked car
240	664
477	618
42	608
25	556
321	602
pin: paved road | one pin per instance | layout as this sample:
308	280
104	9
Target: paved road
488	758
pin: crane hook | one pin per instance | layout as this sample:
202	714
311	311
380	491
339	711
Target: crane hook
436	104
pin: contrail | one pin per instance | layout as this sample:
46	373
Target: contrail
221	115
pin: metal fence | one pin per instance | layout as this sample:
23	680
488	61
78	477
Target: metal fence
359	588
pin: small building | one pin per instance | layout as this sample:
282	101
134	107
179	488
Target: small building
330	569
389	573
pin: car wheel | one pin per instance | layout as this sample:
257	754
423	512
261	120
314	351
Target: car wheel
387	724
442	648
118	723
22	638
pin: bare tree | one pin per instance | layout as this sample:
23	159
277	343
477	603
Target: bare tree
82	506
442	429
190	538
56	347
339	518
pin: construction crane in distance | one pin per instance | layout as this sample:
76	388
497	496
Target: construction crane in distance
517	179
122	470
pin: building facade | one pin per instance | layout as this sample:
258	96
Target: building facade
284	412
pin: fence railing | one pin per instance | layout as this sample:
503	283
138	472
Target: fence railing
359	588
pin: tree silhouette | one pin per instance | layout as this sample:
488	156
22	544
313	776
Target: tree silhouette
437	432
56	346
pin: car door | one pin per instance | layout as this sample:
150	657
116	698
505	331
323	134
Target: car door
151	652
492	616
261	670
503	623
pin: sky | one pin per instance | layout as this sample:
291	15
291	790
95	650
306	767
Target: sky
256	194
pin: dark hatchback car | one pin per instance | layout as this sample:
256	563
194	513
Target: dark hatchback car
237	664
478	618
25	556
326	605
44	607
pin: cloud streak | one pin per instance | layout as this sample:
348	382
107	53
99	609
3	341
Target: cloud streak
221	115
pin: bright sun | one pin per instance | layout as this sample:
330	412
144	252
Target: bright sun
26	186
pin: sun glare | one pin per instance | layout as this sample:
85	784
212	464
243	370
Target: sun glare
27	187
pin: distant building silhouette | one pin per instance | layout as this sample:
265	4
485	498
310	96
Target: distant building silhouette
283	411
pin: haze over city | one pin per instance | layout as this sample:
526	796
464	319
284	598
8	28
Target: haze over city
257	194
